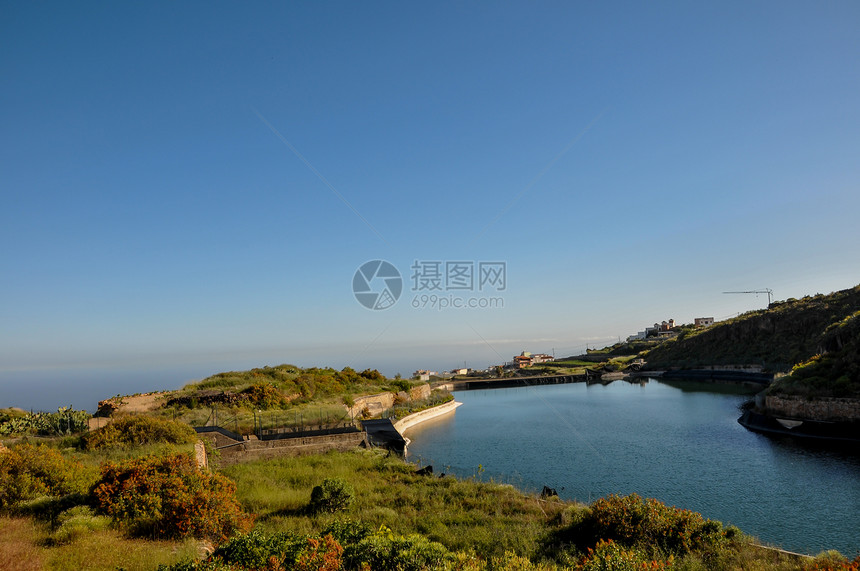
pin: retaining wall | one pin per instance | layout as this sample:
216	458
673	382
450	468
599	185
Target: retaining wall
408	422
379	403
249	450
825	409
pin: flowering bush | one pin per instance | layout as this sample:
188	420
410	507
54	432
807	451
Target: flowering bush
320	555
833	561
169	496
610	556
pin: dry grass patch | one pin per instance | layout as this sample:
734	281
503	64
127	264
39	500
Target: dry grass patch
19	547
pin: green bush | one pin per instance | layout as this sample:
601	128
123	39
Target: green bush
138	431
169	496
647	524
254	549
28	472
265	395
347	532
385	550
333	495
279	552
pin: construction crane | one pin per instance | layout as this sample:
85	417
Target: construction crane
766	290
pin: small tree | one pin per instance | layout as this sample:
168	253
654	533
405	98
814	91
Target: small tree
333	495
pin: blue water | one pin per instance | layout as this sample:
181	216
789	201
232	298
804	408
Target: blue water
680	444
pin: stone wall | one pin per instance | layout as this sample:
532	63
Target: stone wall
419	392
826	409
379	403
375	404
254	449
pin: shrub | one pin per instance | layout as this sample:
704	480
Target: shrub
385	550
255	549
333	495
347	532
372	375
320	555
832	561
401	385
169	496
138	431
609	556
279	552
265	395
647	523
28	472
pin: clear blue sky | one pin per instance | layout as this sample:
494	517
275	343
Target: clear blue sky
189	187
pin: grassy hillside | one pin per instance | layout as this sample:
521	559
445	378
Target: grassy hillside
835	371
787	333
284	395
386	517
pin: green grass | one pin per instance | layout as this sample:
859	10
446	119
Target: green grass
467	516
28	544
486	517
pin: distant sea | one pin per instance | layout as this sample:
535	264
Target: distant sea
47	390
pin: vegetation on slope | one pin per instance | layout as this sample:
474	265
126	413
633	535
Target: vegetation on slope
284	395
292	383
835	371
788	333
357	510
139	430
397	519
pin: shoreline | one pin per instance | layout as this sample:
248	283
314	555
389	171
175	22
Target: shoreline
416	418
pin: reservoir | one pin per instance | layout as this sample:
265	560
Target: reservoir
677	442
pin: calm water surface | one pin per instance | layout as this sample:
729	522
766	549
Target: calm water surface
678	443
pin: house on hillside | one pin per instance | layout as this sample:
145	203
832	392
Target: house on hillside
703	321
522	361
